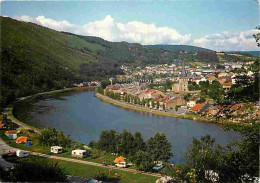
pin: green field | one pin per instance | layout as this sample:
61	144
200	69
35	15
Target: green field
82	170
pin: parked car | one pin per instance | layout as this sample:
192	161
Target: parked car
21	153
121	164
158	166
11	154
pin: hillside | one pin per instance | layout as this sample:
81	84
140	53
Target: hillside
182	48
235	57
36	59
133	52
246	53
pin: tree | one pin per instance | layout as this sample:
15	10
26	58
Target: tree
100	90
236	162
126	144
257	37
159	147
147	103
240	160
216	91
143	102
135	100
187	97
157	105
203	155
109	140
143	161
138	143
35	170
245	90
50	136
153	104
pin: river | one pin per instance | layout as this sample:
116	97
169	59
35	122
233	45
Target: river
83	117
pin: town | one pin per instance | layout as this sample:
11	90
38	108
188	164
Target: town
187	90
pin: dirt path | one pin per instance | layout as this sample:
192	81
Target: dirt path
4	149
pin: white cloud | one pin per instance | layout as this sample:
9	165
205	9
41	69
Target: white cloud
143	33
226	41
111	30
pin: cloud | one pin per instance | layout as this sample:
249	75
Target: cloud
226	41
111	30
139	32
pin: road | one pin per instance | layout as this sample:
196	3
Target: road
4	149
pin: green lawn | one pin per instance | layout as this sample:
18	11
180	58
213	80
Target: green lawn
89	171
82	170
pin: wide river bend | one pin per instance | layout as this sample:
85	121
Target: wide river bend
83	117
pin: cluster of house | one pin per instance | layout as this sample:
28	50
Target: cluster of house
142	93
208	108
195	74
169	101
87	84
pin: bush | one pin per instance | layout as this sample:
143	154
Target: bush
35	170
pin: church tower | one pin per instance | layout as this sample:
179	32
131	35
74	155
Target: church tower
182	84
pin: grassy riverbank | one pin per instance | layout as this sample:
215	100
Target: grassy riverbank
151	111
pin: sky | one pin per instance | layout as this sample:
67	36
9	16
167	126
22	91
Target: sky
215	24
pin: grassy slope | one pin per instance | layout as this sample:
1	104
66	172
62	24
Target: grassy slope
89	172
43	44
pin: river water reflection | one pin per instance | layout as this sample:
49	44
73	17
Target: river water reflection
84	116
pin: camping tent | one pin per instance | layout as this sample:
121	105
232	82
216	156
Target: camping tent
119	159
13	136
21	140
28	144
7	133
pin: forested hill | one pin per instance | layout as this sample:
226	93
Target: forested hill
36	59
182	48
133	52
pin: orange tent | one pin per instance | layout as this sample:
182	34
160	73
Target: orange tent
21	140
1	125
119	159
7	133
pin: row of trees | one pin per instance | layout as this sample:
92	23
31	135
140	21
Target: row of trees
51	136
132	99
156	148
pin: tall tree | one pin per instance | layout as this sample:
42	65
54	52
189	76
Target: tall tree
159	147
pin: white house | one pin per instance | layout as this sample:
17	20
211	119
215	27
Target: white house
56	149
192	102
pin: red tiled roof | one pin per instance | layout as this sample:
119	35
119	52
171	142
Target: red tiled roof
227	84
197	107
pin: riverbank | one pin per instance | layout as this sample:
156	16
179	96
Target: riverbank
9	109
152	111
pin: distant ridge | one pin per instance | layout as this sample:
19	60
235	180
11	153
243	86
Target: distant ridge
181	48
253	53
